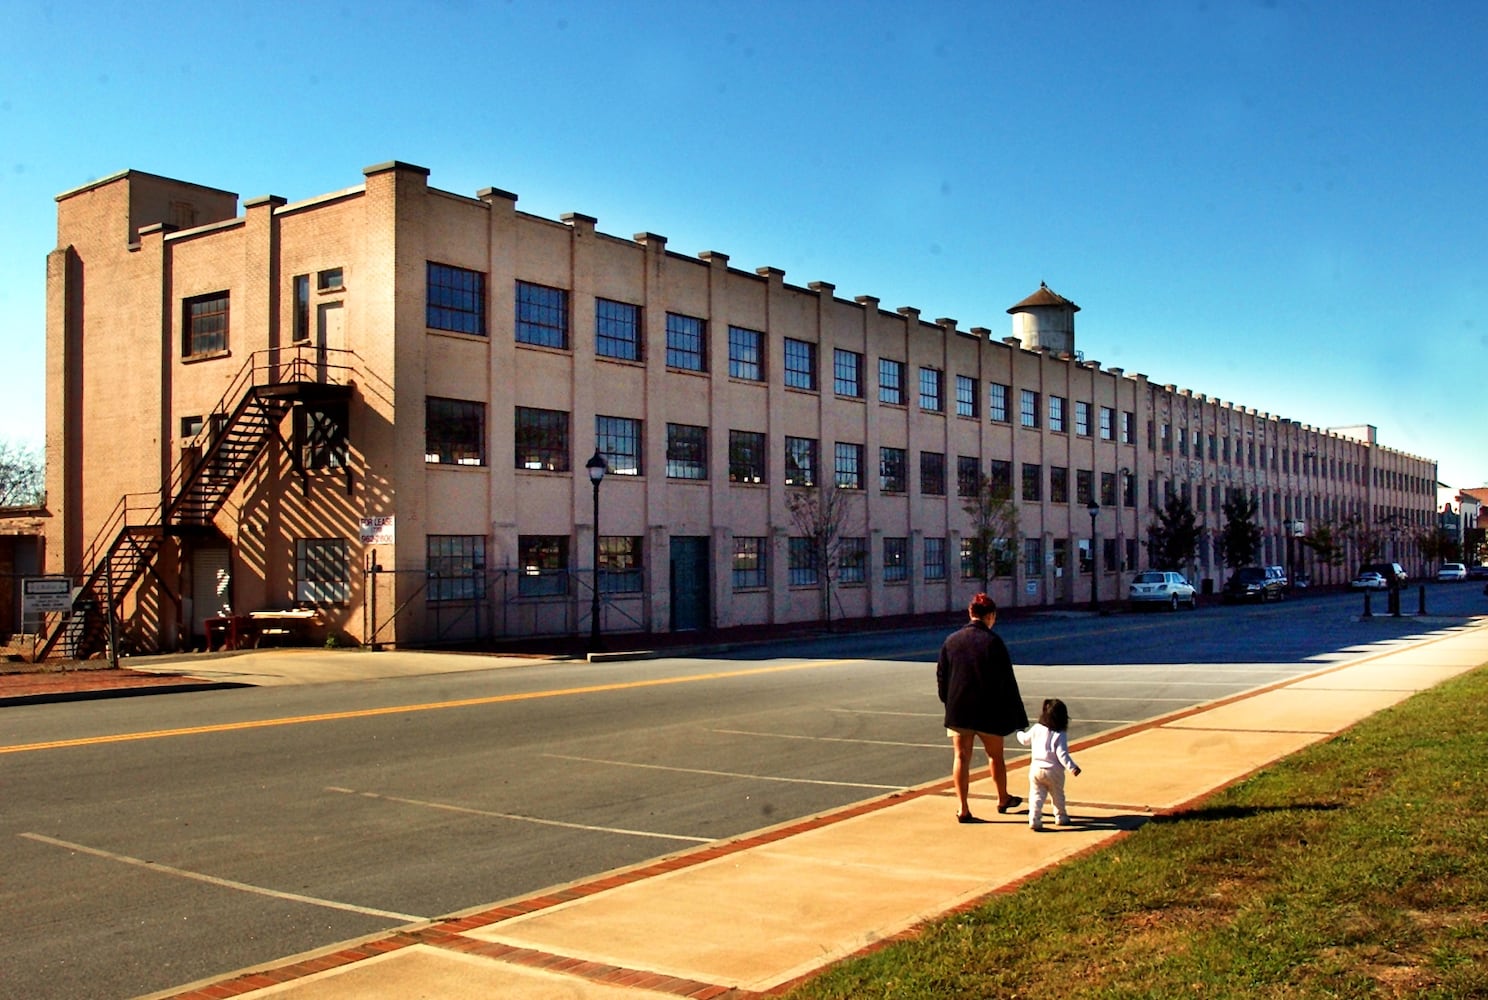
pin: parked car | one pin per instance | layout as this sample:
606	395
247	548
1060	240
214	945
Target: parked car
1254	583
1451	571
1161	587
1302	581
1477	572
1368	580
1277	573
1391	571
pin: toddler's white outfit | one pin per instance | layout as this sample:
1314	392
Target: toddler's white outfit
1051	757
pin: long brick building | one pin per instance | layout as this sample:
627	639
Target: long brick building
379	403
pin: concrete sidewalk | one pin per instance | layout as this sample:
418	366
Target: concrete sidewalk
746	917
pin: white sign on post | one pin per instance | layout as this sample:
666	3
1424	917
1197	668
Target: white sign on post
377	530
45	594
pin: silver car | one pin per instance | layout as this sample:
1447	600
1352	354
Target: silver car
1161	587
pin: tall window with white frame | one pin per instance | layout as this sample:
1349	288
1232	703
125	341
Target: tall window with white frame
966	396
1056	414
932	390
891	381
1028	405
997	403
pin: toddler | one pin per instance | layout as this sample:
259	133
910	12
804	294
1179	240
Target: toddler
1051	758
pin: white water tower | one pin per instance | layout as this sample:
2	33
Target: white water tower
1045	321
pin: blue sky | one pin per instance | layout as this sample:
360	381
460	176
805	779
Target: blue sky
1279	204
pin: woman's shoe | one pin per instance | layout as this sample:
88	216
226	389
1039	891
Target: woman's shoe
1013	802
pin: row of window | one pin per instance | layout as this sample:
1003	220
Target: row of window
456	563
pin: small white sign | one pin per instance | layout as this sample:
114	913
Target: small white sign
377	530
1031	586
45	594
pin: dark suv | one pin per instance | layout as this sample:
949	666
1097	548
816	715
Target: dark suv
1392	572
1253	583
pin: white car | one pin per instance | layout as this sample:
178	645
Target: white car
1161	587
1368	581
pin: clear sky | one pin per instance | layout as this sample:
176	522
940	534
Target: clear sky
1280	204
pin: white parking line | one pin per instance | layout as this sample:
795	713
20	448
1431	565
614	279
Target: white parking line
830	739
730	774
224	883
517	817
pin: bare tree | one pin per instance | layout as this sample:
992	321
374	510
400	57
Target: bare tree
994	526
824	516
22	475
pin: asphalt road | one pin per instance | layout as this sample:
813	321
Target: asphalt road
149	842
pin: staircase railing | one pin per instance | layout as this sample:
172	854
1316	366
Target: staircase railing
203	459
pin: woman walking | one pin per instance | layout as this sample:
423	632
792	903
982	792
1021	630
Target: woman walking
982	702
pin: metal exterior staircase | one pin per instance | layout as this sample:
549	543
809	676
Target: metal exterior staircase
211	466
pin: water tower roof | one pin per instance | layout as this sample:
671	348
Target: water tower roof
1045	296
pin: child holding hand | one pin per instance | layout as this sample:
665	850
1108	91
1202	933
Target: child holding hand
1051	758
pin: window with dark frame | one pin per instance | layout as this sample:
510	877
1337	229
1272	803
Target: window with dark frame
997	402
1033	481
891	381
968	475
847	373
848	466
1108	489
802	563
746	354
620	570
852	560
618	439
329	280
687	452
300	327
322	571
801	461
751	563
205	322
895	560
542	315
935	561
454	431
800	364
1028	405
456	300
893	472
617	330
1107	423
1056	414
932	474
542	440
1084	487
932	391
748	459
1058	484
687	342
966	396
456	567
542	565
1082	418
320	434
1000	478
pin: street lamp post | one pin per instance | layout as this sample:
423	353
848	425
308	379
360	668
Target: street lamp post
1094	509
1290	527
597	469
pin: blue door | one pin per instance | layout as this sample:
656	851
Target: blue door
691	583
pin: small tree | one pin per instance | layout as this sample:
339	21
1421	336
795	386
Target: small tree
1173	536
22	475
1240	540
994	519
824	516
1327	544
1437	545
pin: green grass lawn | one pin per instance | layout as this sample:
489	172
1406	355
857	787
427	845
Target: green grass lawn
1357	868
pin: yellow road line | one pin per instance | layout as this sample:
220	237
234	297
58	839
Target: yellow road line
366	713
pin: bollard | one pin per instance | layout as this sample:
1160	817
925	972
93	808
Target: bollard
1422	609
1368	611
1394	602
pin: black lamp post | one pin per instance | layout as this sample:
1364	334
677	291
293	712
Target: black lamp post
1094	509
597	468
1290	527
